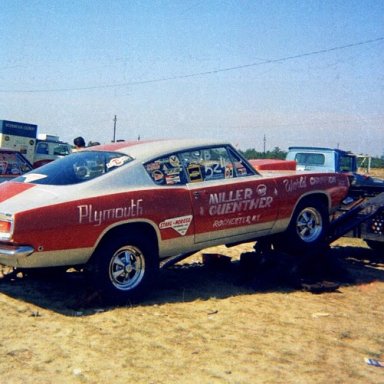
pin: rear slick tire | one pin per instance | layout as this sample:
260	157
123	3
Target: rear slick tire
123	269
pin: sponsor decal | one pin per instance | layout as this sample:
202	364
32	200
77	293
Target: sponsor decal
117	161
235	201
194	172
292	185
261	190
179	224
174	171
90	215
240	169
243	220
157	176
316	180
172	179
174	161
152	166
228	171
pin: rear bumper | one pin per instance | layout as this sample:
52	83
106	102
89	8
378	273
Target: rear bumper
11	254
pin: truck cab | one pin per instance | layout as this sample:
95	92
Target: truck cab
49	148
322	159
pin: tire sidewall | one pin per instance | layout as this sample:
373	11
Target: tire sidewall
291	239
99	269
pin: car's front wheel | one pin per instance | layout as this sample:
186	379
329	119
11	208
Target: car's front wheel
307	228
123	268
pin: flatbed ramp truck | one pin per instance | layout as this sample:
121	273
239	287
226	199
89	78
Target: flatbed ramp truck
364	191
369	223
362	218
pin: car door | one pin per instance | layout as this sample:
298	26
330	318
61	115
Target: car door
229	199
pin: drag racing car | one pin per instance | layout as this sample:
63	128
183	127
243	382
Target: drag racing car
118	210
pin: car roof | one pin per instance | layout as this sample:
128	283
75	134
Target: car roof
146	149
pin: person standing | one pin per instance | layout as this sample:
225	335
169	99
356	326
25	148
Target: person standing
79	144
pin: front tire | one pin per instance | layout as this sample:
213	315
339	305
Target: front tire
307	229
123	268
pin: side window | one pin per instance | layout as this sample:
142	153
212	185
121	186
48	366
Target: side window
346	163
61	150
166	170
42	148
213	164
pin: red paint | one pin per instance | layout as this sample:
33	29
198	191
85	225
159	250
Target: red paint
10	189
273	164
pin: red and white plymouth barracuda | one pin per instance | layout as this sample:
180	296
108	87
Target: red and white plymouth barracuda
119	209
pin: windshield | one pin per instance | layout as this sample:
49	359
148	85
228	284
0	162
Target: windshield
76	168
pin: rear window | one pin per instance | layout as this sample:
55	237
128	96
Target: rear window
310	159
76	168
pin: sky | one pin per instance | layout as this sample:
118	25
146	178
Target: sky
293	72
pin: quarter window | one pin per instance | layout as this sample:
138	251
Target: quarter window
166	170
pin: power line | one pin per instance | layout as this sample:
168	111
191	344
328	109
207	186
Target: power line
198	74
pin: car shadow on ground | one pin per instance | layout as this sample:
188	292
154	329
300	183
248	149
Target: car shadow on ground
69	293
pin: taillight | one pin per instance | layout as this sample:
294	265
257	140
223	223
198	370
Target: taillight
6	227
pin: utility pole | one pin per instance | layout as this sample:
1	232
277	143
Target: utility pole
114	129
264	143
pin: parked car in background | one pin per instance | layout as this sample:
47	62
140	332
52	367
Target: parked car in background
12	164
119	209
38	149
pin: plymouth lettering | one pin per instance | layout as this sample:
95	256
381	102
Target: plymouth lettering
89	215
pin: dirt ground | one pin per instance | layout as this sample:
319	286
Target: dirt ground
226	322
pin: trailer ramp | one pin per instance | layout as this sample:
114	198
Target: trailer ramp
356	215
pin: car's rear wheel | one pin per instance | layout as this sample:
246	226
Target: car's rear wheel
307	228
123	268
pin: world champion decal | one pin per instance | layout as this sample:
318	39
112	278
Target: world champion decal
179	224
